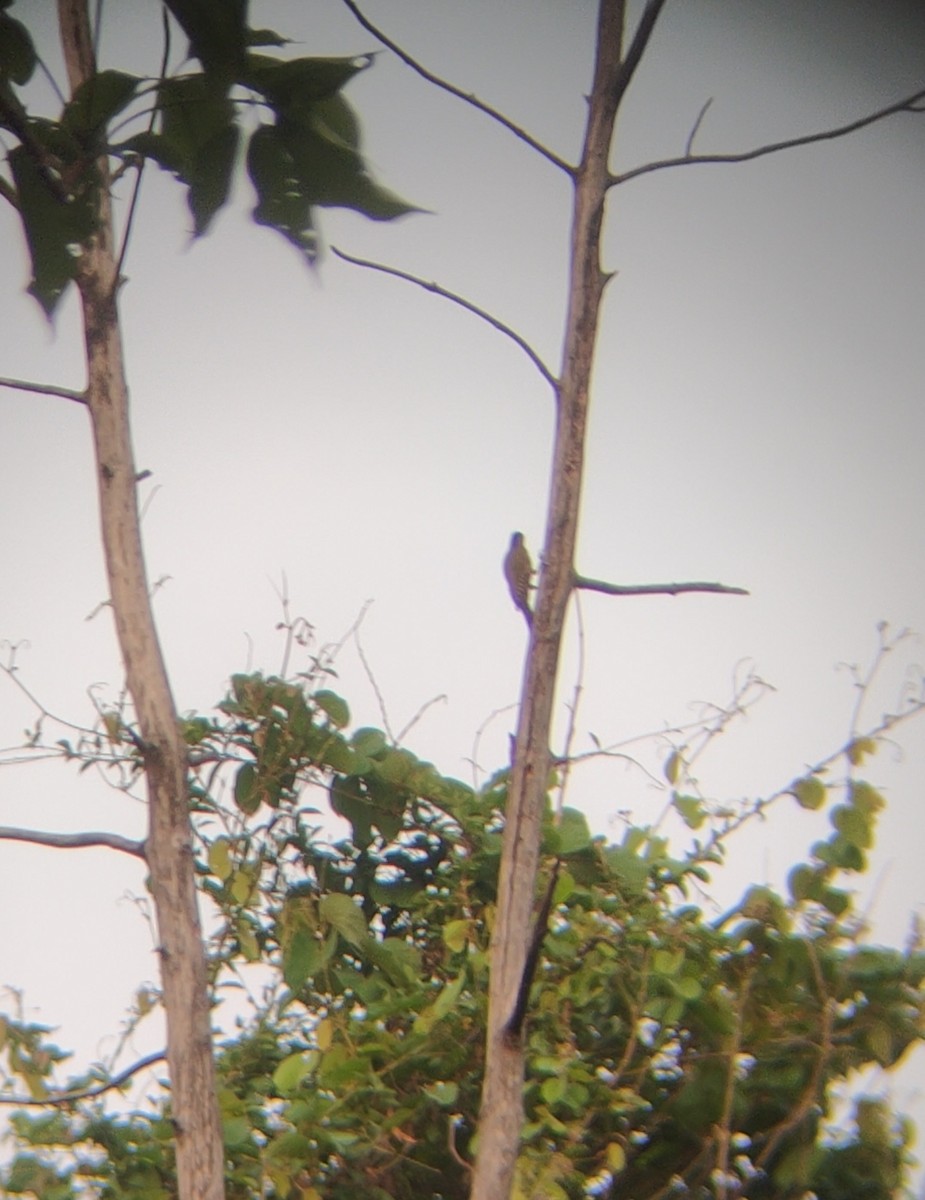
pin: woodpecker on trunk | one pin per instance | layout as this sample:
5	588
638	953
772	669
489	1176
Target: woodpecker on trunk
518	571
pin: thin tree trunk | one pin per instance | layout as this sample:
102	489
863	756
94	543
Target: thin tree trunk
502	1114
199	1149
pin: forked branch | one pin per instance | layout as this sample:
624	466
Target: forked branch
913	103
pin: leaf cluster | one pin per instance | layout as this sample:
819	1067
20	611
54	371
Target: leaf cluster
301	138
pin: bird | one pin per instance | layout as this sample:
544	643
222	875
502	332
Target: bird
518	571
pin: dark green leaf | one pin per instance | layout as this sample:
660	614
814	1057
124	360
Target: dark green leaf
246	795
17	53
55	228
281	202
197	141
217	34
293	87
266	37
95	103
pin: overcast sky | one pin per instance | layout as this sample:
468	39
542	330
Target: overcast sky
757	419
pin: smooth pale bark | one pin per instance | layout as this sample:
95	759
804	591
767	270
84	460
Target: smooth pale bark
501	1116
168	849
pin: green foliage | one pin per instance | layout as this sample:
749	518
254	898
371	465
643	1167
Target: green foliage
307	155
656	1038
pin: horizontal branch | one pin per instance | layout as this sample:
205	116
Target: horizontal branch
97	1089
44	389
913	103
73	841
655	589
467	97
437	290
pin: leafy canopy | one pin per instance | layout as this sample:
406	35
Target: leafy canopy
661	1045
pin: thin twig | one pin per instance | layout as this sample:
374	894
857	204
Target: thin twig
572	712
909	104
86	1093
44	389
73	841
461	301
136	190
11	672
409	725
374	684
467	97
655	589
688	149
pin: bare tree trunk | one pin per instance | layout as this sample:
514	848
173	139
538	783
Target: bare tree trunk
199	1148
502	1114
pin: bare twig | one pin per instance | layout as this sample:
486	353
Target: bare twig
467	97
136	190
476	744
410	724
655	589
73	841
374	684
461	301
695	128
913	103
44	389
572	712
85	1093
10	670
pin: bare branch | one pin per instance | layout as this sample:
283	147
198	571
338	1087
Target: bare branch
913	103
655	589
85	1093
637	47
462	302
73	841
466	97
44	389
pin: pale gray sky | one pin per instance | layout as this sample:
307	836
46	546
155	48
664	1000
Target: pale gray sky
757	419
